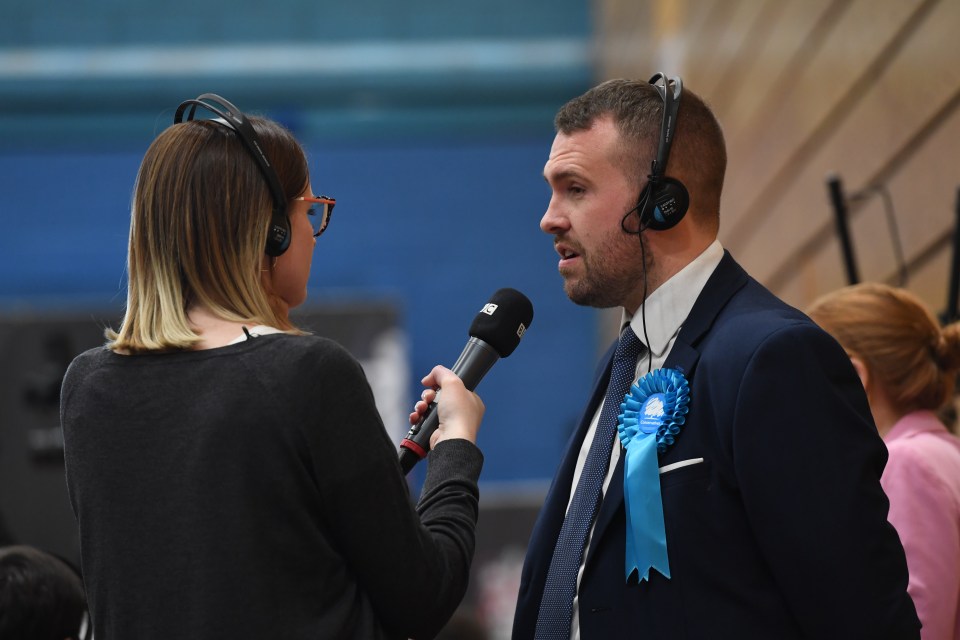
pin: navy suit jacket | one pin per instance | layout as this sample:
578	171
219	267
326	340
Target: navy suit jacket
781	532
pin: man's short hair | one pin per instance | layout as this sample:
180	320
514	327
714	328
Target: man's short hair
698	155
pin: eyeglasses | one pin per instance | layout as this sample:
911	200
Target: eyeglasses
326	210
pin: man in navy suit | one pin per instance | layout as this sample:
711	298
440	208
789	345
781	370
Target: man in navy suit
774	520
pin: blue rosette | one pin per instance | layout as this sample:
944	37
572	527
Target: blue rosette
651	415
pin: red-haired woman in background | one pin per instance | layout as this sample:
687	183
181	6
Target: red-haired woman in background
908	366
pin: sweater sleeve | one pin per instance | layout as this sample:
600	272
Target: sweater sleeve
413	567
72	380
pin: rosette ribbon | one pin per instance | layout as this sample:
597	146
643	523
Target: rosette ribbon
651	415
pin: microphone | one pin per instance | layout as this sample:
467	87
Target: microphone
494	334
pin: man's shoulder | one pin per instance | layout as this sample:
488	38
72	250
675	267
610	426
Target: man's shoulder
733	300
754	308
754	318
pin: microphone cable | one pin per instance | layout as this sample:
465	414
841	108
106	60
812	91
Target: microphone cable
643	257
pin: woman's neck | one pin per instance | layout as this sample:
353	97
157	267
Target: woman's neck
885	415
213	330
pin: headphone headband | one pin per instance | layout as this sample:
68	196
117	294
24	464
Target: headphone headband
278	238
663	201
671	104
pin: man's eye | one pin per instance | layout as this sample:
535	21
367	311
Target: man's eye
312	211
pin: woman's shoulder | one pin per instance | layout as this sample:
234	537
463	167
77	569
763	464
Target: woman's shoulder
301	353
924	446
307	344
81	367
314	370
89	359
933	454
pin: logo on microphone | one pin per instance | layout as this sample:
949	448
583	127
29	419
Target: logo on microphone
521	330
489	308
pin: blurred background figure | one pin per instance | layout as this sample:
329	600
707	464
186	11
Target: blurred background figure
908	366
41	597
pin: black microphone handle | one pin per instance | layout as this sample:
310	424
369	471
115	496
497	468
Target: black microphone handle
474	362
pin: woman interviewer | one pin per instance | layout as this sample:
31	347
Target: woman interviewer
230	474
908	366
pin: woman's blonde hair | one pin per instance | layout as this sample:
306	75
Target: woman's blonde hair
198	229
898	339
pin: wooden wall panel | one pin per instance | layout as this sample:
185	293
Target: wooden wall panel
804	117
866	88
768	71
722	42
924	196
877	127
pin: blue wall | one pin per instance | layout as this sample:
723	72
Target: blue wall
435	227
186	21
76	72
429	120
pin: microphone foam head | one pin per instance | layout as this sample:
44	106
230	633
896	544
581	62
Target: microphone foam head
503	321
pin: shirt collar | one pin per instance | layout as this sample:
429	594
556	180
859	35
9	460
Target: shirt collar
254	332
668	306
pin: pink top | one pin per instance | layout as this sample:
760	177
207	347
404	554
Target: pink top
922	480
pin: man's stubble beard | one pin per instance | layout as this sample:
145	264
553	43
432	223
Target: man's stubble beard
613	271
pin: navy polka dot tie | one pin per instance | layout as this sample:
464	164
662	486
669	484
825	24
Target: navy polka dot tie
556	606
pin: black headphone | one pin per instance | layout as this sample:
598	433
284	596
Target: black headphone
278	236
664	201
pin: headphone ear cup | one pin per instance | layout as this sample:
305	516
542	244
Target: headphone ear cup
643	207
278	235
666	206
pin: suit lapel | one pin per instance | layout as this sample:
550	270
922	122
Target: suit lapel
726	280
